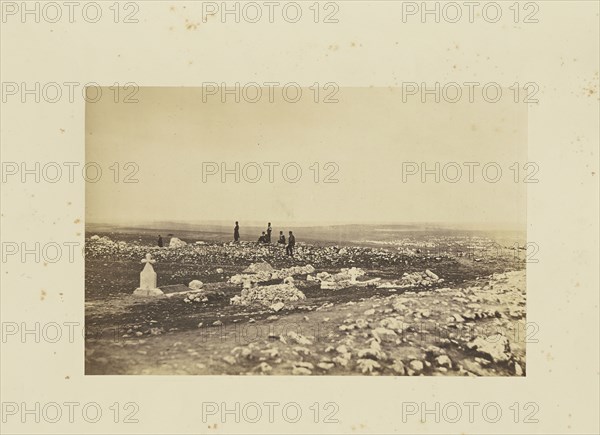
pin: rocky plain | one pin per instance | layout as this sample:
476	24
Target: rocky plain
334	309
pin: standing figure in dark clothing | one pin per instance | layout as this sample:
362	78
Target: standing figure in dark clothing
160	242
236	232
281	240
269	229
289	250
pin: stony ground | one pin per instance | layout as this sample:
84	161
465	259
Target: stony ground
469	322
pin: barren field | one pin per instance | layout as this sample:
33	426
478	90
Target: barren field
377	307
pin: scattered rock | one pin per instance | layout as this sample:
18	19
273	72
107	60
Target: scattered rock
517	369
496	347
229	359
277	306
416	365
300	339
458	318
325	365
263	367
342	360
391	323
301	350
367	365
444	361
398	367
431	275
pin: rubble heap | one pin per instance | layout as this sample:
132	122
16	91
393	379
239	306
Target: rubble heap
261	272
345	278
268	295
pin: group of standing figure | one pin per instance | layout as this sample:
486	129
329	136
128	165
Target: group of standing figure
265	238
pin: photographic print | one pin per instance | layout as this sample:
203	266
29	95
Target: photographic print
368	233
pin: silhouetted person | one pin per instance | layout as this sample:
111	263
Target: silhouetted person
263	238
160	242
269	229
281	240
236	232
289	250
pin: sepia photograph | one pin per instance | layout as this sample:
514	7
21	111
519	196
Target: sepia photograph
362	233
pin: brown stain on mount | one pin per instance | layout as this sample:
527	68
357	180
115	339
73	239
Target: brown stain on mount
591	88
189	25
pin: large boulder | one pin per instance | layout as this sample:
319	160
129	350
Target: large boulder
495	347
196	285
176	243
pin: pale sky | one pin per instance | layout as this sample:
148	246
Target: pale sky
368	134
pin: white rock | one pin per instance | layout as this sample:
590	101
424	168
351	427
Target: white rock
431	275
300	339
416	365
196	284
398	367
367	365
263	367
444	361
518	370
458	318
325	365
277	306
391	323
496	347
304	364
341	349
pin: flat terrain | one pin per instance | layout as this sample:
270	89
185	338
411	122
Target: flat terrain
472	322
